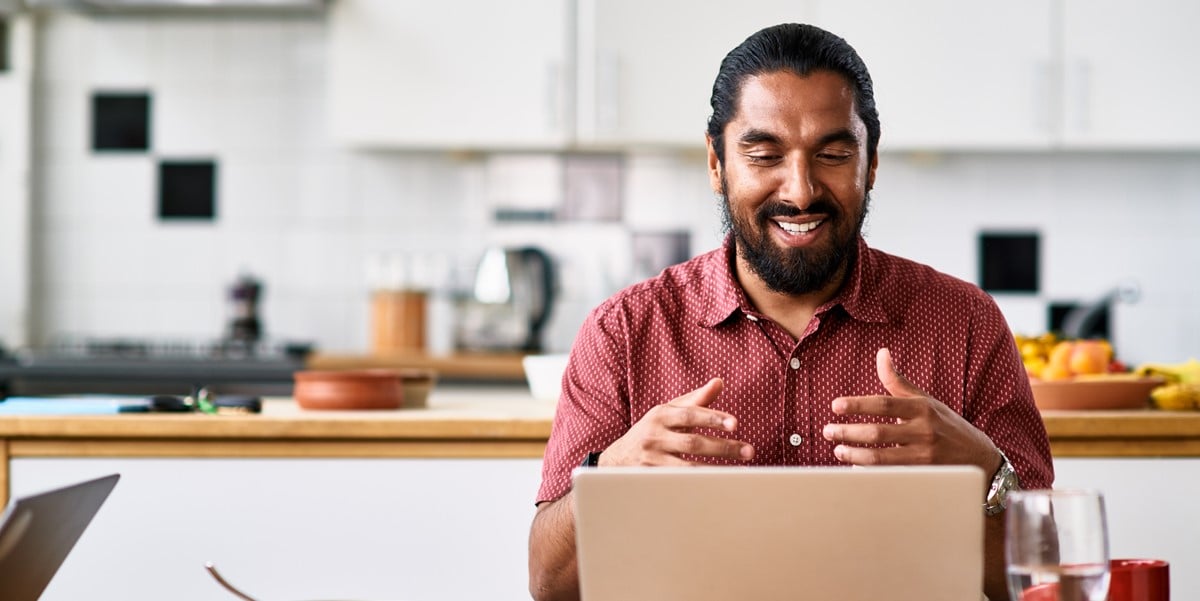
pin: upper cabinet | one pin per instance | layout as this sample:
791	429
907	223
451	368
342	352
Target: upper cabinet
954	75
620	74
646	69
1129	74
450	73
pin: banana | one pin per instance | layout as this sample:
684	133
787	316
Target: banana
1177	396
1187	372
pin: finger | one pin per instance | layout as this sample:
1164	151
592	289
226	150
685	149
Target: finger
884	456
691	409
865	434
893	381
703	396
708	446
883	406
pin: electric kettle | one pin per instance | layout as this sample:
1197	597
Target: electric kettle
510	302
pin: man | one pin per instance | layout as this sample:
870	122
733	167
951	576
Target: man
795	343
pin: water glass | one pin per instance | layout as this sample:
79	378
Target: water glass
1057	546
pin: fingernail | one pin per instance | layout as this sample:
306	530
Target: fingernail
747	452
838	405
839	452
827	432
729	423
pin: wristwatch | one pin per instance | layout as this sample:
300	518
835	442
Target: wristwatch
591	460
1004	481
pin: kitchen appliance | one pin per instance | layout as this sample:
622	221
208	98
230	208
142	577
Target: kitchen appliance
510	303
147	367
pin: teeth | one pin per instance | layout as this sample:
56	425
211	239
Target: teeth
799	228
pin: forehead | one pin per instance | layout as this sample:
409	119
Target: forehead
782	99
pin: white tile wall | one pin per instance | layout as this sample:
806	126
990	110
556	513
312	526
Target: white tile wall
305	216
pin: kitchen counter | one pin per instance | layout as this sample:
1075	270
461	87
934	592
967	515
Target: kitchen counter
462	422
458	367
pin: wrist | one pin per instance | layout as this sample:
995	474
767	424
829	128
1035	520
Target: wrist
1004	480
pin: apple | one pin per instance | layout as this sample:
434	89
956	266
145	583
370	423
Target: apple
1089	357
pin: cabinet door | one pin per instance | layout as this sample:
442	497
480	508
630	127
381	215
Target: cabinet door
1130	73
449	74
954	75
646	69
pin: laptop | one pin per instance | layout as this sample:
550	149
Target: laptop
765	533
38	532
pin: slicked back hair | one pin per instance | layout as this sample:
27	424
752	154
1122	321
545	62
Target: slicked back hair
800	49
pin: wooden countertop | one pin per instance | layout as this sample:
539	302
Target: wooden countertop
462	422
493	367
477	413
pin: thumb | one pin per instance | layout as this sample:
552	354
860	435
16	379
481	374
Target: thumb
703	396
893	381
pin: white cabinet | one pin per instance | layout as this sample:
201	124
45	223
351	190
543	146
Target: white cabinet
449	74
954	75
619	74
1129	74
646	69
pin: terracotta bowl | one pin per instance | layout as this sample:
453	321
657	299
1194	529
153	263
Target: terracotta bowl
417	384
349	389
1132	393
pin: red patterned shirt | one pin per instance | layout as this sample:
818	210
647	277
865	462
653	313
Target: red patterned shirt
666	336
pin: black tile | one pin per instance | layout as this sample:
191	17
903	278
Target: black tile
1009	261
120	121
187	190
5	49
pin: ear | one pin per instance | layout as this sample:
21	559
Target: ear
714	166
871	171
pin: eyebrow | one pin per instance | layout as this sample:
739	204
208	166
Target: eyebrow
759	136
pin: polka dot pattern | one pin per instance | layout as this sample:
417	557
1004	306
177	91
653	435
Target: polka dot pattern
666	336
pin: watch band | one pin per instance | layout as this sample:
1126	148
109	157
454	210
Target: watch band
591	460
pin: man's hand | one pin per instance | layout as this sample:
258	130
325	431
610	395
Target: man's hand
925	431
667	431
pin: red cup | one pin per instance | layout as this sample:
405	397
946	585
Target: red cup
1139	580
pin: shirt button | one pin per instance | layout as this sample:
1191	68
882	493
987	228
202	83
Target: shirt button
795	363
795	440
751	318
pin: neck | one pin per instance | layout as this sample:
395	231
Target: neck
792	311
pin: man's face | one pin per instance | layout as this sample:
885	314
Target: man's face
795	178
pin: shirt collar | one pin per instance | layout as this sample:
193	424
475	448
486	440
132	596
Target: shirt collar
725	296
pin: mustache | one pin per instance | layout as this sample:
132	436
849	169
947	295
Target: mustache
775	208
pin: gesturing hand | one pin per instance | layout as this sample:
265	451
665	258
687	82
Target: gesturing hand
667	431
925	431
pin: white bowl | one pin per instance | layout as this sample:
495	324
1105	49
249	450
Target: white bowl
544	374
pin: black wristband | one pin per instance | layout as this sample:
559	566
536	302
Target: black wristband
592	459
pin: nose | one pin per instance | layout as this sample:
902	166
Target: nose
799	185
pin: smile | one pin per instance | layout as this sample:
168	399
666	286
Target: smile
799	228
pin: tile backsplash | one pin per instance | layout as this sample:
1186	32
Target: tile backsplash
307	217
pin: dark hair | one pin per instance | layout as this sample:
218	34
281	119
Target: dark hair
800	49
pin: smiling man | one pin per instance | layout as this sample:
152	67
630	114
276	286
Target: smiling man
795	344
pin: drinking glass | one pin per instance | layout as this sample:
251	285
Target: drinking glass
1057	546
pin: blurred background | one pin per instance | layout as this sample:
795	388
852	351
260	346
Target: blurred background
170	168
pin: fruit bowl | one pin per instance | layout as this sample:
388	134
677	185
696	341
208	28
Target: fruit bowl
1096	392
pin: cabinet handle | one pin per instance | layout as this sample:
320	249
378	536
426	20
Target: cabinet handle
608	91
1045	95
554	97
1079	82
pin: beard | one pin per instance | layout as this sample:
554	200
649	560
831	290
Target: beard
794	270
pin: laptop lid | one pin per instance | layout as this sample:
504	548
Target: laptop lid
38	532
713	533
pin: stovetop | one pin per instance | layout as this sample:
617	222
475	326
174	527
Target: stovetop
146	366
115	351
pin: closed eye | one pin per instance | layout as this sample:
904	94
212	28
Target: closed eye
763	159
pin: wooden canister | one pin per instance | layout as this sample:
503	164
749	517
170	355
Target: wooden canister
397	321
